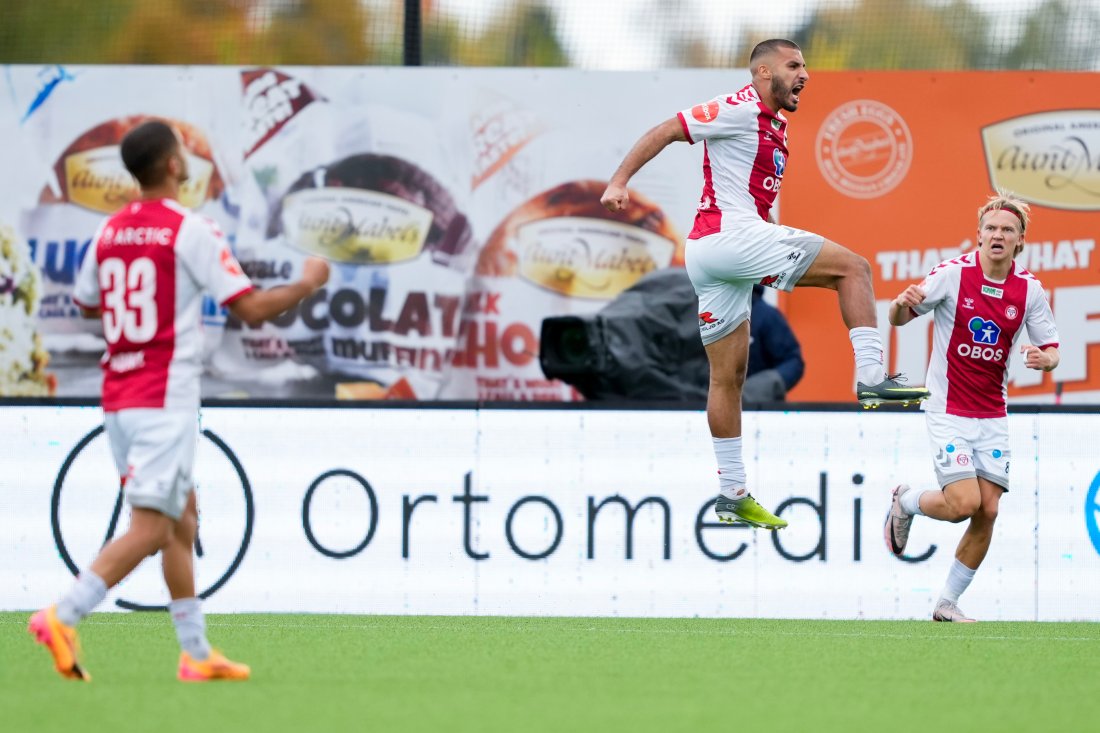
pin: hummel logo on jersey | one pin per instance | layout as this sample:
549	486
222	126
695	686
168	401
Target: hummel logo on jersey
780	162
984	332
992	292
968	303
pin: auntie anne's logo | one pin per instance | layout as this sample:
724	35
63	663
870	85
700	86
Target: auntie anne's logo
1049	158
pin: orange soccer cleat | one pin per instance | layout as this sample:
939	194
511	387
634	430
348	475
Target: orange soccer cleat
62	642
214	667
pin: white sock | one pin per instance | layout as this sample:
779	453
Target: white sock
867	345
87	593
958	579
731	469
910	501
190	627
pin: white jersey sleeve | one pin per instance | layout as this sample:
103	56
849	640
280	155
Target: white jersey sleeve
721	117
1041	328
205	253
937	286
86	288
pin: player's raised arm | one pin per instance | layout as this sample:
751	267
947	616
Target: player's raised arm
260	305
615	198
900	312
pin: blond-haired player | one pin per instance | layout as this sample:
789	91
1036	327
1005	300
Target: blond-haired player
982	303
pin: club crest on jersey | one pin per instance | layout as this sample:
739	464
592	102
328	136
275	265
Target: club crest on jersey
983	331
1011	312
992	292
780	162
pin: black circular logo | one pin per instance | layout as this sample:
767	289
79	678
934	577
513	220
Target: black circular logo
226	529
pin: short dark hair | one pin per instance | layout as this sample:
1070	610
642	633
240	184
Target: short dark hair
145	150
769	46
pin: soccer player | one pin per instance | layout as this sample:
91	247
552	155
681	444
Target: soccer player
981	303
144	276
734	245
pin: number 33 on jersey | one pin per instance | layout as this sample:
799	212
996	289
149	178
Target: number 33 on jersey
147	270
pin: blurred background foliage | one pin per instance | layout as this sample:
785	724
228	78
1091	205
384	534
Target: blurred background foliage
639	34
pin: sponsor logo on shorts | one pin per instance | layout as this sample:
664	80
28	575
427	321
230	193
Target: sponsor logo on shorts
705	112
773	281
709	322
962	459
943	459
1011	312
864	149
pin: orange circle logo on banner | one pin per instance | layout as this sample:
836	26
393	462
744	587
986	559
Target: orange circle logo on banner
864	149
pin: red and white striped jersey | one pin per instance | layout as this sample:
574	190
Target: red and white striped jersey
744	157
977	323
147	269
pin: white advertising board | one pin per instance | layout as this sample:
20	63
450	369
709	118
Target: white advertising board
525	512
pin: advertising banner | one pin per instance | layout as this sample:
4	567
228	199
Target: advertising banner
554	512
458	208
894	165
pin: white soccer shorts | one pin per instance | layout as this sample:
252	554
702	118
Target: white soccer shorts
725	265
969	447
154	451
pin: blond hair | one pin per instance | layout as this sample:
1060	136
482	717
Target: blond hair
1005	200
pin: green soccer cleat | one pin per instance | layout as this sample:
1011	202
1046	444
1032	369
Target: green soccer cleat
890	391
746	511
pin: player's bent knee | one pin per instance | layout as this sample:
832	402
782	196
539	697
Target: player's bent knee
963	509
858	266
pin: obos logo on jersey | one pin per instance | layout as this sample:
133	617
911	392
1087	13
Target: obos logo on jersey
984	332
985	335
780	162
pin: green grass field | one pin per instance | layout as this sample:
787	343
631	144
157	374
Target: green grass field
384	673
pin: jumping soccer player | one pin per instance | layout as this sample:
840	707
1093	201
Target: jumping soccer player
734	245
